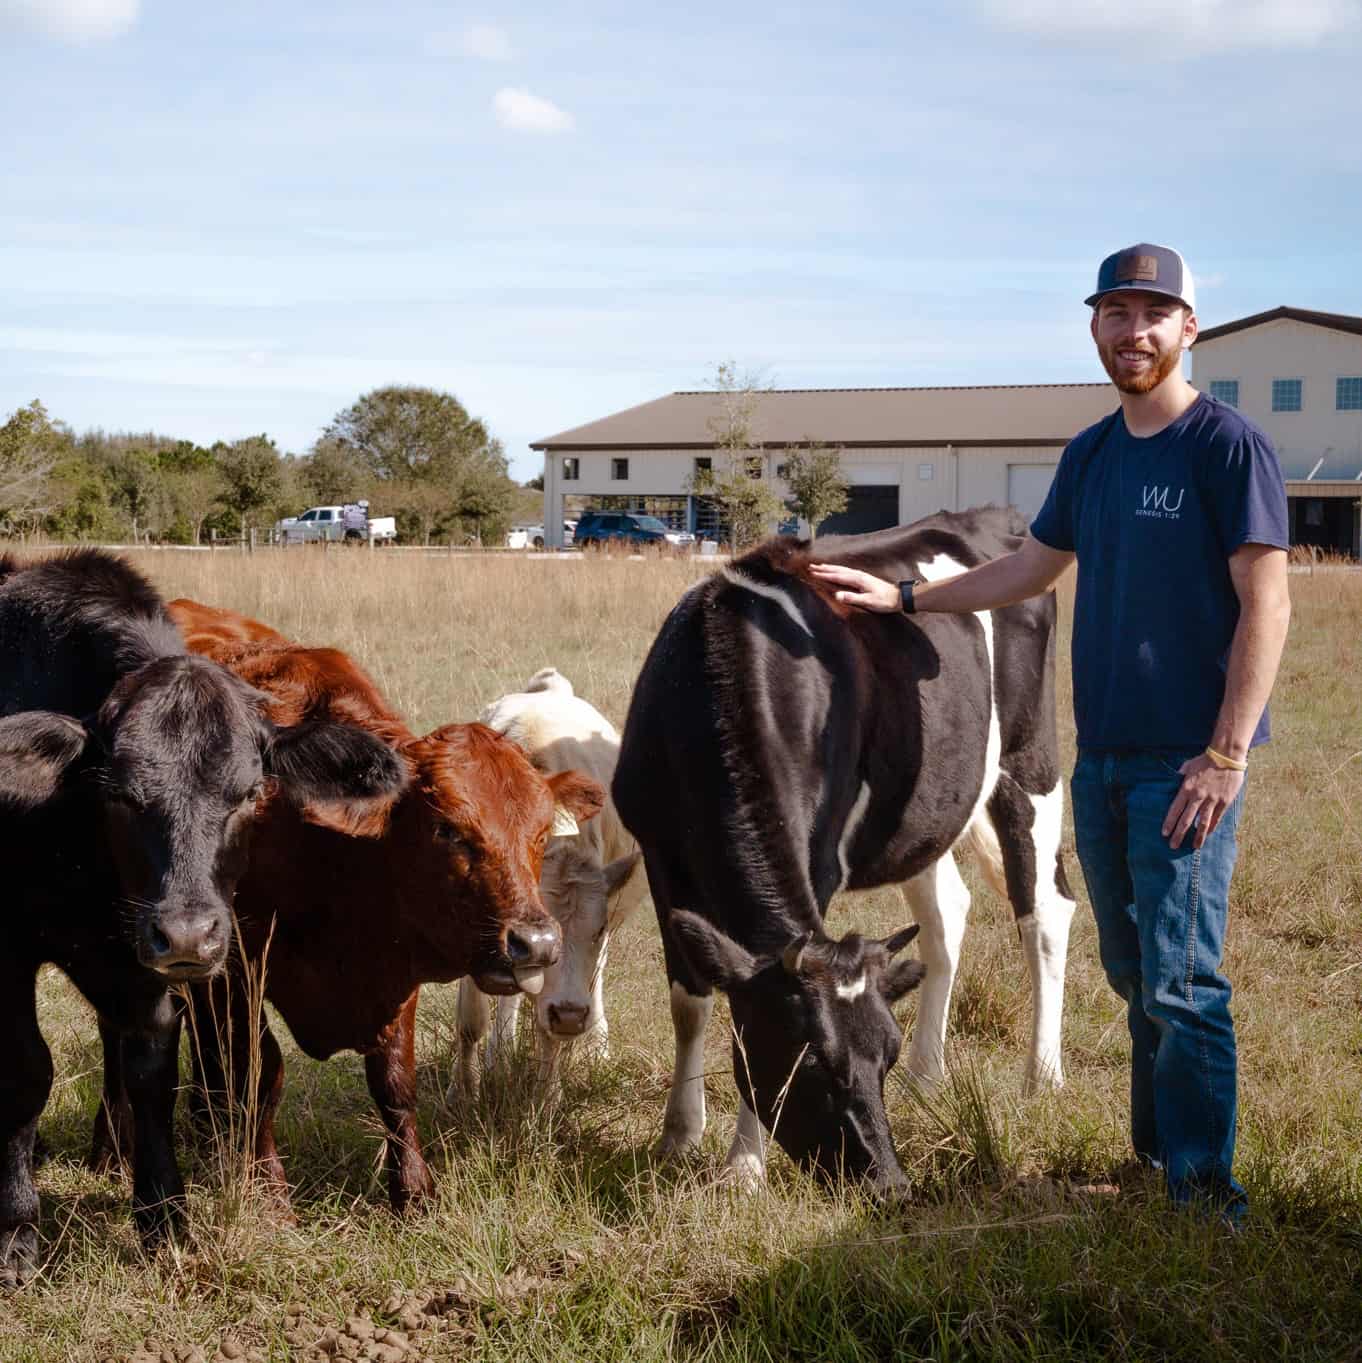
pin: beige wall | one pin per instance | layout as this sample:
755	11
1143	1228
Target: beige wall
1286	349
928	478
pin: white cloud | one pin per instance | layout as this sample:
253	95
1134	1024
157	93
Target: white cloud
1180	27
75	21
1208	281
525	112
488	42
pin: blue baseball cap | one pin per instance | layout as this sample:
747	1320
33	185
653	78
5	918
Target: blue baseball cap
1150	269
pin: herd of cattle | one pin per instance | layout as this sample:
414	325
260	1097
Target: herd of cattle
187	798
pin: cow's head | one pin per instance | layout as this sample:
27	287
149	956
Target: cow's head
473	837
577	890
180	756
814	1040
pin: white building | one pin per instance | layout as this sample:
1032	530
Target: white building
1298	375
905	451
910	451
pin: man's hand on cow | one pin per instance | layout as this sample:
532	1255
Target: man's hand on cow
864	591
1206	793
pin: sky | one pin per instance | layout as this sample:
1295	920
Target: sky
217	221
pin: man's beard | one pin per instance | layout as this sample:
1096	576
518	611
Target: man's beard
1164	363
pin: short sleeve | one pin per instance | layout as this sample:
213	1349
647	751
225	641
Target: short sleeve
1054	522
1248	495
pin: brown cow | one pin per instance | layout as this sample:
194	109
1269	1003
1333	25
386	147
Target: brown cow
352	911
203	626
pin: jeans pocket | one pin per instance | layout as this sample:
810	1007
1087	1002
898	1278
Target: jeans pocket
1171	759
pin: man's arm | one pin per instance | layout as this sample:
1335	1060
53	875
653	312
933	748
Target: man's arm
1258	572
1026	572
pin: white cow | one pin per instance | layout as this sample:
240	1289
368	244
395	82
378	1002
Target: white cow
591	882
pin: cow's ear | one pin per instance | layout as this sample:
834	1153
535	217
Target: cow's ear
715	957
619	870
901	978
576	794
320	762
894	944
36	748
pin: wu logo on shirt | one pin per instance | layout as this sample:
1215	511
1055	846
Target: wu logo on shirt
1158	502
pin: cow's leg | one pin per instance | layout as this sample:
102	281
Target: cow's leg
25	1081
111	1142
391	1072
596	1041
151	1075
683	1124
1029	829
500	1046
745	1163
475	1017
939	901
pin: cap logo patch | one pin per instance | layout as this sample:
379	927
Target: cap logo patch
1137	267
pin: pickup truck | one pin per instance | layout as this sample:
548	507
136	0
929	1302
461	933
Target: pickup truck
349	522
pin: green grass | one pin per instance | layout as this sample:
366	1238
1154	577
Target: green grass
555	1236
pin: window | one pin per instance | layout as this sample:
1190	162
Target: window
619	470
324	514
703	463
782	470
926	472
754	466
1348	394
1286	395
1226	391
572	469
308	515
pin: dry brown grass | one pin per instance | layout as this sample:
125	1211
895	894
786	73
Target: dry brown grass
617	1258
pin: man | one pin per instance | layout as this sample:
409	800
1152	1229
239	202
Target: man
1175	509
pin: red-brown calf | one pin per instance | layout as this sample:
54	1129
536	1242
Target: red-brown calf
352	909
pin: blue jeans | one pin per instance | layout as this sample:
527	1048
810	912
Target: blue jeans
1161	929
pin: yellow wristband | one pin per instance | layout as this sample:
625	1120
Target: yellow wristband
1225	763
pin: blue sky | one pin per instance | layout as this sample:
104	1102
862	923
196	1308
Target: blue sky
220	220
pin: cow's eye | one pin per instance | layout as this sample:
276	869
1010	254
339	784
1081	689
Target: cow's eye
450	836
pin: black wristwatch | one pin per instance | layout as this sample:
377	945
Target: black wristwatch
906	594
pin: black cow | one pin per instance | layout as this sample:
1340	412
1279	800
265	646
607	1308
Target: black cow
130	773
778	751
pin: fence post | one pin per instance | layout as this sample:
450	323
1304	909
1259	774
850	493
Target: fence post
252	548
212	539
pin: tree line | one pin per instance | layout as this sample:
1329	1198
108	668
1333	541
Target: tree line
413	453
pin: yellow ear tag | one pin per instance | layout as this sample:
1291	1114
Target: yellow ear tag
564	825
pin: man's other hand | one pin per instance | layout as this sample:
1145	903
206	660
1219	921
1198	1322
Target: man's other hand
1206	793
864	591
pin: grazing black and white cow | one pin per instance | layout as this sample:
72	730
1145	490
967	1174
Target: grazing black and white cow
130	773
779	749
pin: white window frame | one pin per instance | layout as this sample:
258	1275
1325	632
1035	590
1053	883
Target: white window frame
1300	394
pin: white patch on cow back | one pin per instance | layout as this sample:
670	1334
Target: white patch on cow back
933	570
849	830
851	991
776	594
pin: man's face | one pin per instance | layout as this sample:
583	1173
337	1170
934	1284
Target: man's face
1140	337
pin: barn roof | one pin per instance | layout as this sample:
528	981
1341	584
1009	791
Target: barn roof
1334	321
1010	414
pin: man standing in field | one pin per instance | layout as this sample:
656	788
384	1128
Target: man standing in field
1175	509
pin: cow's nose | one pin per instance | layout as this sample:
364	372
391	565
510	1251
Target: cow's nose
185	944
533	944
568	1019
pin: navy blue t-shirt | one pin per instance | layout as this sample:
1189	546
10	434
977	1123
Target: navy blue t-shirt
1153	522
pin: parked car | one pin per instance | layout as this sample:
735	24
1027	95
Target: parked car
348	522
596	528
532	536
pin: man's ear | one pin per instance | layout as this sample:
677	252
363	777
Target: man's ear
36	748
716	958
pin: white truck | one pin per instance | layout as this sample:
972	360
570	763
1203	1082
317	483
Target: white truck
350	522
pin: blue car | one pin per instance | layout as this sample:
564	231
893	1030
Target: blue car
598	528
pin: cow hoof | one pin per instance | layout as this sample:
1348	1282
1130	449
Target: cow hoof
676	1145
18	1256
746	1175
159	1221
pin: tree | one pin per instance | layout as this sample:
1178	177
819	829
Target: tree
408	432
334	472
813	473
736	479
137	488
251	474
31	444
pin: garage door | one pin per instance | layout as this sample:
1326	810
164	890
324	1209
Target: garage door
872	506
1027	486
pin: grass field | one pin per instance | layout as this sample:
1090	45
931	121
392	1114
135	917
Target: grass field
556	1237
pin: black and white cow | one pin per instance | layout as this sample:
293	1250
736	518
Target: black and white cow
779	749
130	773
